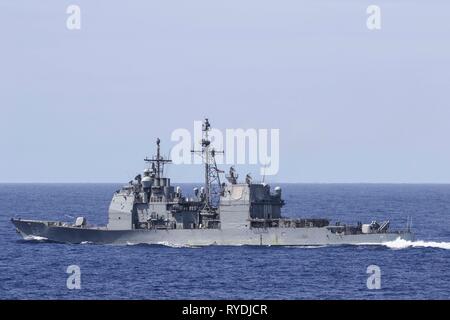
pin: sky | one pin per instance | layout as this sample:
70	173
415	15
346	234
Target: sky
351	104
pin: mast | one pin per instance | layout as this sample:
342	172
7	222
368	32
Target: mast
212	179
206	144
158	161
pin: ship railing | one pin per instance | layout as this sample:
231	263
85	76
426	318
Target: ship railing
288	223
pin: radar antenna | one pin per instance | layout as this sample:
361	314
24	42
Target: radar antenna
232	176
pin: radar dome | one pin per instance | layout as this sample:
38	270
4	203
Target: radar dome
146	182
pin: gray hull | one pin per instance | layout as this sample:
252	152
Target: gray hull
200	237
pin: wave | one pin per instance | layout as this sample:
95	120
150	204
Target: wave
403	244
161	243
308	246
35	238
174	245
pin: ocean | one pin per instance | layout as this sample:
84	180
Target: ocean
408	270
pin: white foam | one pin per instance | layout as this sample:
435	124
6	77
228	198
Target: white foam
162	243
35	238
308	247
174	245
402	244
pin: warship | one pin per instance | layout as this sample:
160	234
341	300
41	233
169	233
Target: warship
149	210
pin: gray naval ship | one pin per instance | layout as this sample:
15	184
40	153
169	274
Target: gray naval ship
149	210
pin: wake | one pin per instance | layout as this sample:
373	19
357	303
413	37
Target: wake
403	244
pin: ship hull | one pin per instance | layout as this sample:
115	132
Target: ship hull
32	229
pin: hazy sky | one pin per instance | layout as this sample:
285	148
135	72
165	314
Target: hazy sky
352	105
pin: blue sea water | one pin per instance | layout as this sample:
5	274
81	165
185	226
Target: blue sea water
416	270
